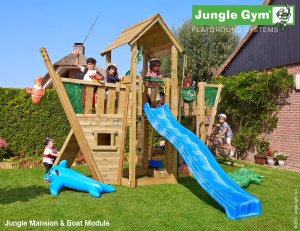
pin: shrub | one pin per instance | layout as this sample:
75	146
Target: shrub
3	150
262	146
29	161
24	125
251	100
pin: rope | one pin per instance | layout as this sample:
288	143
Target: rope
92	27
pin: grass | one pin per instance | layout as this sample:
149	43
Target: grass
184	206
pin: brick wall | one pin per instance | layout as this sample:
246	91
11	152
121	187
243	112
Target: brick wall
286	137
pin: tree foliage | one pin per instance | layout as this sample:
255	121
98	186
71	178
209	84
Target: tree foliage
205	46
251	100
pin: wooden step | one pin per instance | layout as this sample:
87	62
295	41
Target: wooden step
105	130
104	147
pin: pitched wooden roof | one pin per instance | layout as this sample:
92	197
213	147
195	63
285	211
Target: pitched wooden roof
240	46
152	33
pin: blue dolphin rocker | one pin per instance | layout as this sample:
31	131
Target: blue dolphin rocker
61	176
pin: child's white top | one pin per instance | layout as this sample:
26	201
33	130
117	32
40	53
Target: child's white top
48	158
88	73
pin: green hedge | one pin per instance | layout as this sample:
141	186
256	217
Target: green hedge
24	125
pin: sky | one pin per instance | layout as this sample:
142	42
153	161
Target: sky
26	26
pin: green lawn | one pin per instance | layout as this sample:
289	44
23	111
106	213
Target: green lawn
184	206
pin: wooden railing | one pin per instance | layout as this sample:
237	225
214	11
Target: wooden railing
101	98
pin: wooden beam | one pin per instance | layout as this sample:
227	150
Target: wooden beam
151	143
100	101
89	94
143	131
125	182
155	181
100	116
127	80
123	138
140	96
107	58
64	99
105	130
104	148
132	145
144	145
111	97
144	72
174	77
201	103
171	152
168	82
214	112
91	83
122	101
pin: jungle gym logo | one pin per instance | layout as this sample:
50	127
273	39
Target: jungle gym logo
279	16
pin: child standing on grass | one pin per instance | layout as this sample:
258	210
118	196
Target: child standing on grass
226	131
50	153
153	87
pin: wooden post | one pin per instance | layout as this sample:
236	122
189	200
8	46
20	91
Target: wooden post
75	125
143	91
214	112
108	58
140	96
144	122
174	77
132	145
201	103
151	143
168	83
170	151
122	146
181	104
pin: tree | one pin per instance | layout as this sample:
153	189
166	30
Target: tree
205	46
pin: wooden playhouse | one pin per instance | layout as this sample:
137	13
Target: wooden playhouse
99	129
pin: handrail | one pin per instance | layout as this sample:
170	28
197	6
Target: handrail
91	83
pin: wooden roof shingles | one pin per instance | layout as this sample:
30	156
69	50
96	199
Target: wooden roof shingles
152	33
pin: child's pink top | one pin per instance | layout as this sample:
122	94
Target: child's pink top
151	73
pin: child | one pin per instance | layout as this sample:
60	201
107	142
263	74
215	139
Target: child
49	153
161	99
89	72
112	75
225	130
153	87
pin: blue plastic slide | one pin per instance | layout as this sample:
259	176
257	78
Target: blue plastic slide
237	202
